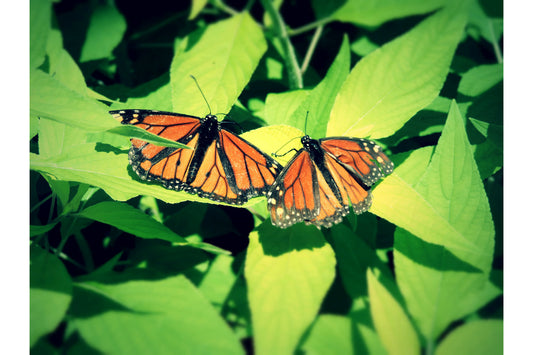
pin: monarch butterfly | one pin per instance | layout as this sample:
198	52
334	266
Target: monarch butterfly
220	166
324	178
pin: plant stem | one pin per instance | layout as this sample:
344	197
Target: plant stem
430	345
85	251
311	48
295	75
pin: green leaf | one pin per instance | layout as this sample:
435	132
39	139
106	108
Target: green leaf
56	138
62	67
136	132
278	139
288	273
388	86
37	230
50	293
354	257
222	60
489	154
280	107
106	28
413	168
121	215
390	320
396	200
364	336
138	313
476	337
218	281
363	46
157	99
105	168
479	24
153	95
437	286
34	126
52	99
448	206
161	257
442	284
479	79
40	23
376	12
196	7
488	107
331	334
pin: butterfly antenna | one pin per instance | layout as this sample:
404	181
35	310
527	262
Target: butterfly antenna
201	92
275	154
305	124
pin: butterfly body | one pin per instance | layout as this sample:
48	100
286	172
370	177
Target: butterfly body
219	165
324	178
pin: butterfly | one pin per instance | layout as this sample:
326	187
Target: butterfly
324	178
220	166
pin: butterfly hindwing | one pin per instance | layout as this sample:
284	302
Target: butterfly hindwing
365	157
219	166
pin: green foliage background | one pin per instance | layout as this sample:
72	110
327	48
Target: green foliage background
120	266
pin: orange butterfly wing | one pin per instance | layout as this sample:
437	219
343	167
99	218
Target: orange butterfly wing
365	157
219	166
324	178
294	195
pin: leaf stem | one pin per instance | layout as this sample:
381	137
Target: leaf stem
310	26
219	4
311	49
64	256
495	45
40	203
295	75
159	25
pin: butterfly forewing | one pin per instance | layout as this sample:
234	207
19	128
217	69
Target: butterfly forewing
293	196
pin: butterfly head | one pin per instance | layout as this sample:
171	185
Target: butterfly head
307	141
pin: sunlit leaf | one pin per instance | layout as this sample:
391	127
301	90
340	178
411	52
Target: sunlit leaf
388	86
132	312
375	12
50	293
440	282
288	273
106	28
391	322
222	61
476	337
